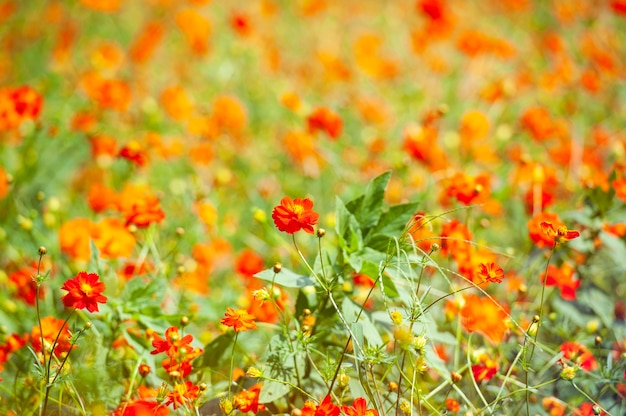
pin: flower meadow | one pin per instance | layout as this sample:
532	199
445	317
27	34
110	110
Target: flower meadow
312	207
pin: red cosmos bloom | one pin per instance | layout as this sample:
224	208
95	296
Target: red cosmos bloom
491	272
248	400
560	233
563	278
359	408
183	392
240	320
486	369
326	120
295	215
453	405
84	291
588	409
326	408
172	343
141	407
578	354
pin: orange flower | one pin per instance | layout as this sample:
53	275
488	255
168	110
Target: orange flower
474	126
146	42
182	393
74	236
141	407
554	406
26	287
538	122
491	272
620	188
84	291
453	405
173	344
455	237
484	316
176	103
468	189
421	144
229	115
560	233
563	278
295	215
4	183
239	320
134	152
139	205
578	354
359	408
323	119
248	400
546	229
53	329
249	263
112	238
102	5
196	29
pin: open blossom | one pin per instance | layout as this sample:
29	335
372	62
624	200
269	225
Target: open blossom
239	320
84	291
359	408
295	215
558	233
490	272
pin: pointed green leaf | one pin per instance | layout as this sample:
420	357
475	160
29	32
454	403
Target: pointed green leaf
285	278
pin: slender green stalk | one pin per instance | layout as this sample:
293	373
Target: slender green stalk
232	361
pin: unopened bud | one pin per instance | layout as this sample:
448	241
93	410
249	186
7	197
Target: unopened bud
343	379
180	231
184	320
321	232
435	247
455	377
42	251
175	374
254	372
277	267
144	370
392	386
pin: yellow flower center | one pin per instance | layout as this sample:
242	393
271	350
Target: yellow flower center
298	209
86	289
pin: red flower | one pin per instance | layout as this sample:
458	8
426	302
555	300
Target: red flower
491	272
326	408
84	291
325	120
239	320
295	215
580	355
248	400
182	393
172	343
563	278
359	408
486	369
559	233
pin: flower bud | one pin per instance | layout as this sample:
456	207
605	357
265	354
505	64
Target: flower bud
144	370
277	267
396	317
321	232
226	406
254	372
343	379
184	320
455	377
42	251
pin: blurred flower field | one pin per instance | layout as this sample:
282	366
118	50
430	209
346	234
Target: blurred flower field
312	207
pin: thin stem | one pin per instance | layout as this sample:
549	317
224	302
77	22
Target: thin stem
543	290
232	360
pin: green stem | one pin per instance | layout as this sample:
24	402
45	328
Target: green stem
232	361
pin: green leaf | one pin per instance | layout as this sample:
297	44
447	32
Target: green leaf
272	390
214	350
285	278
393	221
599	303
368	208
